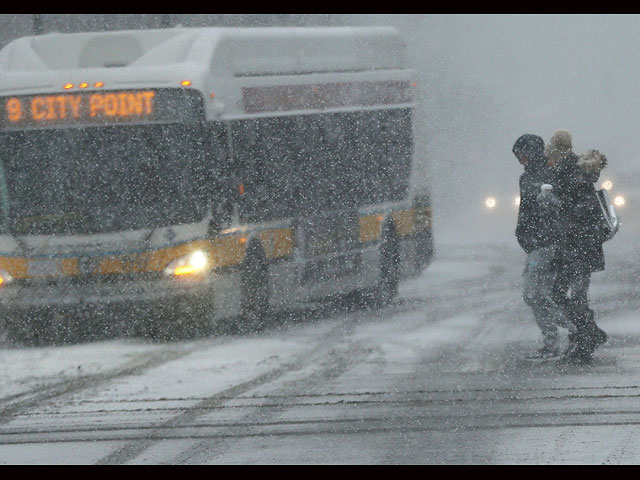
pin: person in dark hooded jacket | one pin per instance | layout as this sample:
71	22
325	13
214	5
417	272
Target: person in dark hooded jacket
581	251
538	233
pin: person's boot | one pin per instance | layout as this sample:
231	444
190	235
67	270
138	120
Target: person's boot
599	336
578	353
596	336
572	345
585	341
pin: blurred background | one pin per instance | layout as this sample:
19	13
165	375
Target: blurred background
483	81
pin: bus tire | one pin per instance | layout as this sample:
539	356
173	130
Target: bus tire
425	249
387	287
255	291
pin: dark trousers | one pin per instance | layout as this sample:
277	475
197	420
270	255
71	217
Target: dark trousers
571	292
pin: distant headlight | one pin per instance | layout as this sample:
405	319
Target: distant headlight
490	202
619	201
516	201
607	184
194	263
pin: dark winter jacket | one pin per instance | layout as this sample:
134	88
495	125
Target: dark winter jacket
537	226
581	245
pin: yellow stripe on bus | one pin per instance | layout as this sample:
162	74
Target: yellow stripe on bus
404	222
370	228
223	251
69	266
227	251
17	267
277	243
125	264
157	260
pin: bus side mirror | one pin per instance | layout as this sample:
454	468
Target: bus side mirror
223	200
214	226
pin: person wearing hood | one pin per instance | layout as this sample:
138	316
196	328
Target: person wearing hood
538	233
581	252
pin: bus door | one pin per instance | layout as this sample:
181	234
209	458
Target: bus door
329	246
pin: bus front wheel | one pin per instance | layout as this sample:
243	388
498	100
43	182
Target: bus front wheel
387	287
255	292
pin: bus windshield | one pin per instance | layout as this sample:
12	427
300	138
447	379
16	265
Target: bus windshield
102	179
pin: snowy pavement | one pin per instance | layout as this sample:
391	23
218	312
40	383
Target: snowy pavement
436	377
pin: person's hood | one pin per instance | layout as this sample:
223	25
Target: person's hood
592	161
533	147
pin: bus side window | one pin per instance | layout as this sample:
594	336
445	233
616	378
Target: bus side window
260	149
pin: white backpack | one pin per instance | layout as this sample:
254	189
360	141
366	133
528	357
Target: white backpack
609	221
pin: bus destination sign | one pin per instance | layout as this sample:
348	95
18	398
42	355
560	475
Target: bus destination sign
123	106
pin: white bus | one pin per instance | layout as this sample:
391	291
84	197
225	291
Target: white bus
183	176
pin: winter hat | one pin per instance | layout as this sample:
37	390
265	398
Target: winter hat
529	145
559	145
592	161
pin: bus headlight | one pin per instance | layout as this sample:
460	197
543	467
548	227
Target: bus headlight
619	201
194	263
490	202
5	277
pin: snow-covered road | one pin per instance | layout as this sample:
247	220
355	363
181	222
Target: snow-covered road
436	377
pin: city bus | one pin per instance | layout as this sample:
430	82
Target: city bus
189	176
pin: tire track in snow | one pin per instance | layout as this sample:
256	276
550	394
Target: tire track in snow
21	403
348	354
188	416
333	362
401	422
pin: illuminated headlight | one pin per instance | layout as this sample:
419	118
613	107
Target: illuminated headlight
490	202
5	277
619	201
516	201
194	263
607	184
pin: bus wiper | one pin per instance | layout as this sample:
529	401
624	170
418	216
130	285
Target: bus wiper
25	224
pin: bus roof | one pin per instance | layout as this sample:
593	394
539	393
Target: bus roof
240	51
240	71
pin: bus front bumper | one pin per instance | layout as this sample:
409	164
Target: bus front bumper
130	296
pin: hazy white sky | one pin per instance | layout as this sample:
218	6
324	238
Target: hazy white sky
486	79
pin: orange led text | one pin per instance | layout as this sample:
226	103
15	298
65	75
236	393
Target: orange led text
51	108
